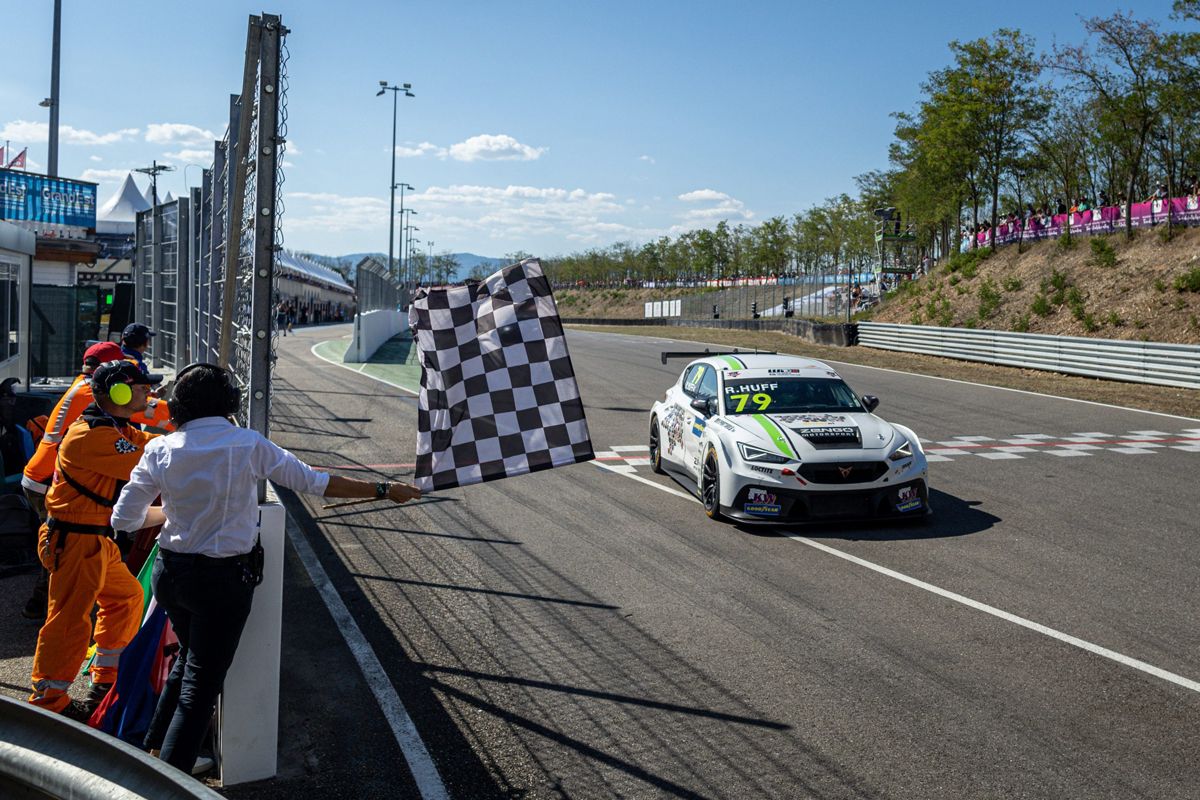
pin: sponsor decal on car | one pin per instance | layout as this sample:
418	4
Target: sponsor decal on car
673	425
698	427
764	470
726	425
909	498
752	387
757	495
845	433
783	372
812	420
762	509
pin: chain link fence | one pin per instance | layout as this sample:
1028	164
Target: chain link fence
375	289
812	296
206	263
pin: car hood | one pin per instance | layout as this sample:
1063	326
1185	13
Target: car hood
809	434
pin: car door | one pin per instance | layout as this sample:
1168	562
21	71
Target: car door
704	387
674	411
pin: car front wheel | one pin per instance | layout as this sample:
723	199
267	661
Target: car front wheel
655	447
710	486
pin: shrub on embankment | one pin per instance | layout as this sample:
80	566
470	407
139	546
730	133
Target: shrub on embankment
1146	289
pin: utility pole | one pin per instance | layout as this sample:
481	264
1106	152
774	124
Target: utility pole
52	101
153	171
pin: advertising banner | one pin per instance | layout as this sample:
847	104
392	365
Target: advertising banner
28	197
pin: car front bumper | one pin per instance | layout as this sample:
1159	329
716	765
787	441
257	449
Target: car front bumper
775	504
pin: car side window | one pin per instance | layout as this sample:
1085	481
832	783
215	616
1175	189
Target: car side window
693	377
708	384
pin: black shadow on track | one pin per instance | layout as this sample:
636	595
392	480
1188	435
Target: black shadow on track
450	750
952	516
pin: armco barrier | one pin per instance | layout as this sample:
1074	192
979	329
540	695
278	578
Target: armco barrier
371	330
832	334
46	755
1158	363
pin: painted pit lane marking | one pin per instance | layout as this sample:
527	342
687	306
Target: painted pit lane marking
1036	627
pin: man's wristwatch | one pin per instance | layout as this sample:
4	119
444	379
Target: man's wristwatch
381	490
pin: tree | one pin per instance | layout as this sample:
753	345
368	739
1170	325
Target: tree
1125	74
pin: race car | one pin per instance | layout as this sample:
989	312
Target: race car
761	437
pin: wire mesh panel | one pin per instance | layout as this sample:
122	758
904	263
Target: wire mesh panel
374	288
206	264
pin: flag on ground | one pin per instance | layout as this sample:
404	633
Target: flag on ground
498	392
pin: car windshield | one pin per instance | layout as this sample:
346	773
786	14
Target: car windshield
789	395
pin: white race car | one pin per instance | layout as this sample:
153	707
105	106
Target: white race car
760	437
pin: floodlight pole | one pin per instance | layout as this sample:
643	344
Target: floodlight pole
52	154
384	86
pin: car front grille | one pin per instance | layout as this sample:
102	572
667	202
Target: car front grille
849	472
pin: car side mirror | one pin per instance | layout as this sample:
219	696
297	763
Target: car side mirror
701	405
870	401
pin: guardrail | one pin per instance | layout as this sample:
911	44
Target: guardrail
45	755
1158	363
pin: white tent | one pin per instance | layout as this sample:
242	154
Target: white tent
119	214
170	198
148	196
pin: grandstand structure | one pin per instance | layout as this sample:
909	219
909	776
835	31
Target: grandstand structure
317	293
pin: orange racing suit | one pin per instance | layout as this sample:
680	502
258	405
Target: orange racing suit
40	469
95	459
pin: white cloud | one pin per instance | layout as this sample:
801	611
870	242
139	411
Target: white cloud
703	194
422	149
25	131
494	147
335	212
504	214
95	158
647	159
103	175
723	207
203	157
177	133
292	149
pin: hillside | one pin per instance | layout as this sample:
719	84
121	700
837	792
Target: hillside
1102	286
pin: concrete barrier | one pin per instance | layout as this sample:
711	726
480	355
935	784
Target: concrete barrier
248	711
371	330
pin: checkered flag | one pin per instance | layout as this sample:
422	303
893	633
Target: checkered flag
498	393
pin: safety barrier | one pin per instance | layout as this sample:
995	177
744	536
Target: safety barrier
46	755
831	334
371	330
1157	363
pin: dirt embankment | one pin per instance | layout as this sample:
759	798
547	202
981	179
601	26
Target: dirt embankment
1100	286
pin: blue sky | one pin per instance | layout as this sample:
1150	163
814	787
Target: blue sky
548	127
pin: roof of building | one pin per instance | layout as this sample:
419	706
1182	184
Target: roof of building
302	267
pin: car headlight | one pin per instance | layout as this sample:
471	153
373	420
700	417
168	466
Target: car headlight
750	453
902	452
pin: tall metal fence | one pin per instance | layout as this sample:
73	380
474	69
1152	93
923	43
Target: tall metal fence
817	296
374	288
207	262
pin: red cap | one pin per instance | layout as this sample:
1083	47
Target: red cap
104	351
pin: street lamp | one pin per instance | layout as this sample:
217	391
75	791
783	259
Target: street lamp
384	86
404	226
402	186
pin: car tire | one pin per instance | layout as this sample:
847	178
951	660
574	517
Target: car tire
710	486
656	447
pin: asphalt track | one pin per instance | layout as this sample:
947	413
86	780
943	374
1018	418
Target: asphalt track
587	633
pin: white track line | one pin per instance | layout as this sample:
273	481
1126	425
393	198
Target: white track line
1074	641
358	371
429	782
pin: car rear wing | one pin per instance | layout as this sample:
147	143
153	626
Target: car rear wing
668	354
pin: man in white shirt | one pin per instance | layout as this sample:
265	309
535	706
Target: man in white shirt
209	562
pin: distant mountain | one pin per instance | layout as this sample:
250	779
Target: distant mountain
466	262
